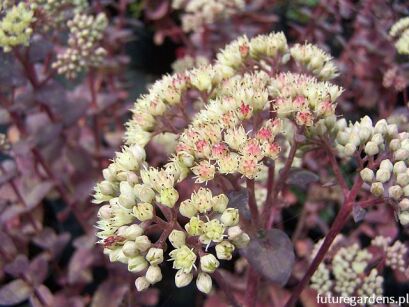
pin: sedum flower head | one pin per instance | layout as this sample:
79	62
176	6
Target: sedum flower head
15	27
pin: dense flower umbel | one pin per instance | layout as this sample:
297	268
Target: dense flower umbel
15	27
83	49
239	121
349	271
400	31
387	176
198	13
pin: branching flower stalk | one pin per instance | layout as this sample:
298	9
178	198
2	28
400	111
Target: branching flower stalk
248	122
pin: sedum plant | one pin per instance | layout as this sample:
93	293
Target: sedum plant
231	123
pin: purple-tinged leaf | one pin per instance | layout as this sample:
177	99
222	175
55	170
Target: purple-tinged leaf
78	268
43	297
156	9
240	200
38	269
110	293
271	255
15	292
38	193
7	245
18	266
301	178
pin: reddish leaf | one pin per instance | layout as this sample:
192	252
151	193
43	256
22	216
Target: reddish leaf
15	292
38	269
109	294
38	193
301	178
271	255
156	9
18	266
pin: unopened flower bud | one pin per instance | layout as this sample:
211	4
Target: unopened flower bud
105	212
177	238
234	232
377	189
378	139
230	217
406	190
117	255
383	175
381	126
187	209
144	193
137	264
204	282
349	149
394	144
143	211
182	279
401	154
129	249
386	165
395	192
404	204
127	198
209	263
169	197
367	175
220	203
132	232
404	218
155	255
371	148
242	240
399	167
141	283
143	243
402	179
224	250
153	274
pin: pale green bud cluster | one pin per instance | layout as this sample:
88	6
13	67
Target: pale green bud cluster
83	50
315	60
188	62
400	31
366	137
344	274
345	270
395	254
390	178
56	11
198	13
15	27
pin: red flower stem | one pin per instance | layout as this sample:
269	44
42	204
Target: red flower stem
339	222
252	284
335	168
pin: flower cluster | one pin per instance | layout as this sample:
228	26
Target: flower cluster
315	60
388	175
83	49
188	62
237	122
15	27
348	271
400	31
198	13
55	12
